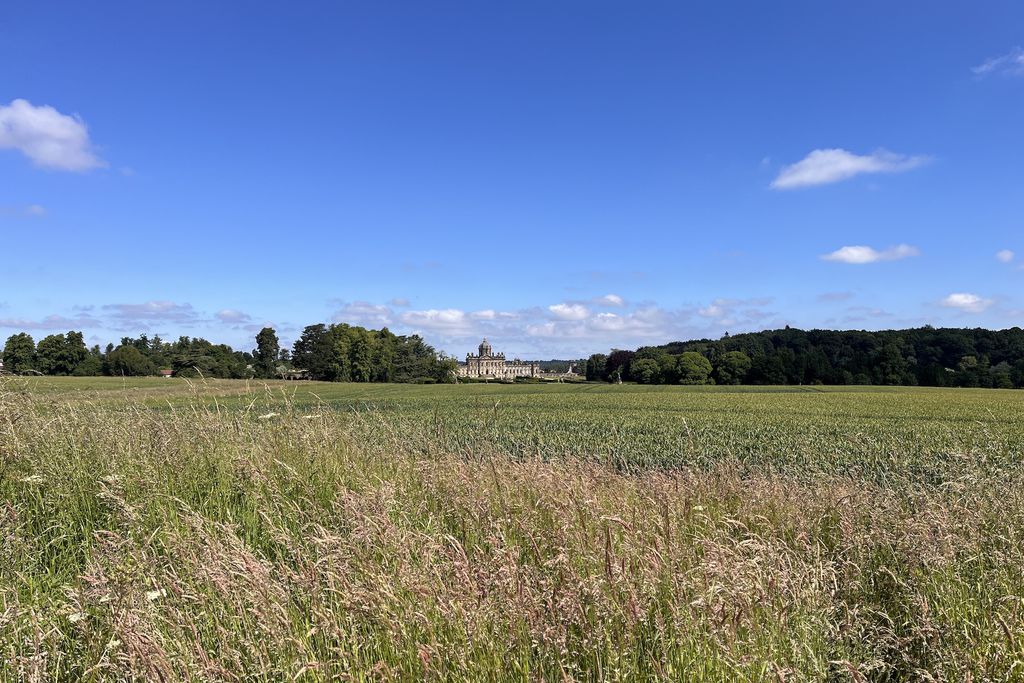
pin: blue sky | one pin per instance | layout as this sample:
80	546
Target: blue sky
562	177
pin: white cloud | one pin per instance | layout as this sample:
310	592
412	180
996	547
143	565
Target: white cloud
861	254
608	321
486	314
555	330
566	329
1011	63
364	314
611	300
401	302
823	166
640	322
969	303
715	309
569	311
47	137
1004	256
447	319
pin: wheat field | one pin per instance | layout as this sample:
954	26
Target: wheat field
232	531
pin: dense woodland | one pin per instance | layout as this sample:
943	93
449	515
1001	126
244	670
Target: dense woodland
324	352
923	356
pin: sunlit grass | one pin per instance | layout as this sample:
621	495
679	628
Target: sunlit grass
227	531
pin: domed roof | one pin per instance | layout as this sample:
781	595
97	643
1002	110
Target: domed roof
485	347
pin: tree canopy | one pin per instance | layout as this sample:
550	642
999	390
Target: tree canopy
20	353
923	356
347	353
326	352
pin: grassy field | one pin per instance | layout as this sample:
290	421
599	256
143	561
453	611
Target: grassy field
164	530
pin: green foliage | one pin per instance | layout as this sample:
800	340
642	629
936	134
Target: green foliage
19	353
694	368
595	367
346	353
91	365
128	361
616	367
732	367
268	349
58	354
923	356
645	371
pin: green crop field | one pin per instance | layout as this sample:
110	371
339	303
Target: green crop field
158	529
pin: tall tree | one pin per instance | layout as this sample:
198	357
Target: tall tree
55	356
267	351
19	353
595	367
312	352
77	352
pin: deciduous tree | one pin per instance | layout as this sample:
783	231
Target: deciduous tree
732	367
267	351
20	353
694	368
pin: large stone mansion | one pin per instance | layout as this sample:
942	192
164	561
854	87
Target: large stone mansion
490	365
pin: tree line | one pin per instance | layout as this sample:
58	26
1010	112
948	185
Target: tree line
323	352
924	356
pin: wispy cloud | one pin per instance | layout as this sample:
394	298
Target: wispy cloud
416	266
232	317
131	316
824	166
967	302
828	297
50	323
728	312
1004	255
1012	63
47	137
25	211
610	301
861	254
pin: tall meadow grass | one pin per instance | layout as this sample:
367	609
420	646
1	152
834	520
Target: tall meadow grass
291	542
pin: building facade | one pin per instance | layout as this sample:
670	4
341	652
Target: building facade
490	365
